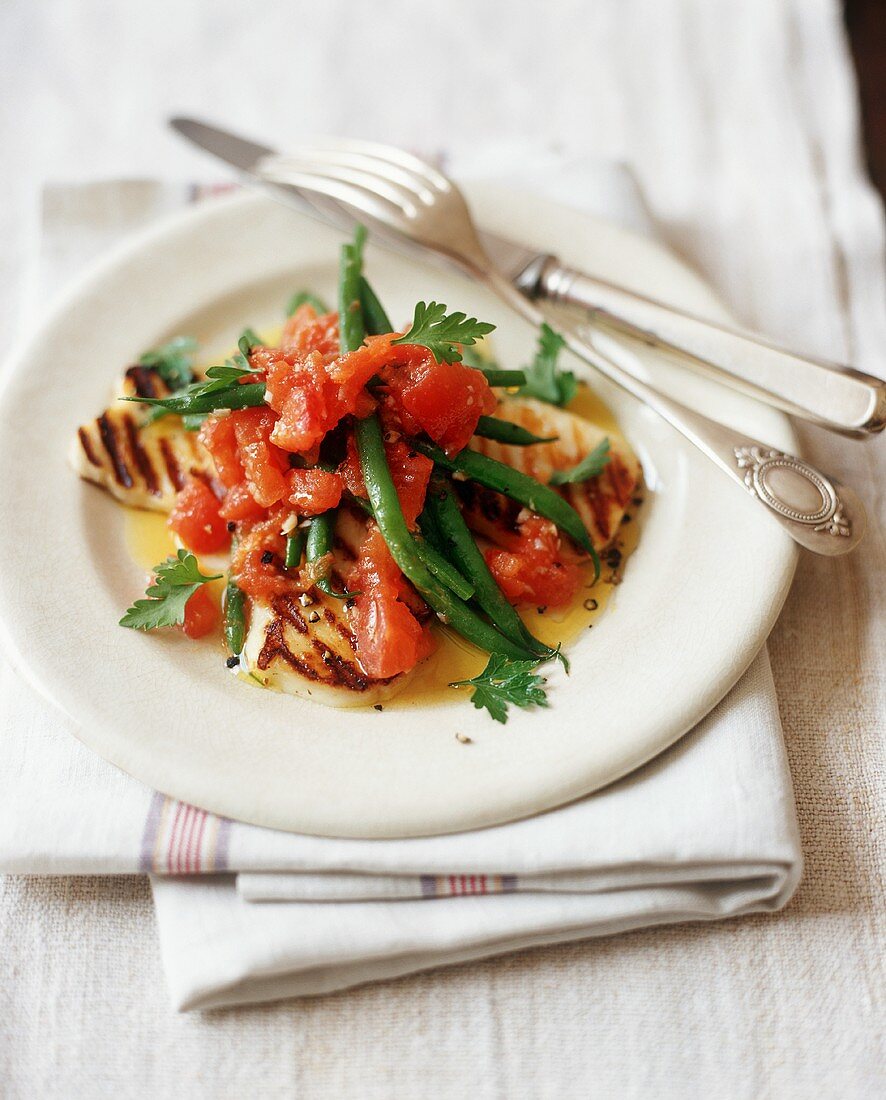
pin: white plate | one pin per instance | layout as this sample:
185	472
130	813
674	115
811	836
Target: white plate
699	597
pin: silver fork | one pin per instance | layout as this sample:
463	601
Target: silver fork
401	194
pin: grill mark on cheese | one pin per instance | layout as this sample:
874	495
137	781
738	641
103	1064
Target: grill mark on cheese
319	662
108	435
140	456
146	382
87	447
173	470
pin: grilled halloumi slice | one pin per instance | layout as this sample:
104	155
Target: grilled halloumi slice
142	465
304	645
601	502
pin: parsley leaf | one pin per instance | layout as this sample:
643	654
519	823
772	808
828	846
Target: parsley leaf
176	580
544	380
306	298
592	465
504	681
173	361
221	380
440	332
222	376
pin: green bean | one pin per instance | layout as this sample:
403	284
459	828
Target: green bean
518	486
443	513
430	528
350	314
231	397
375	319
235	618
392	524
319	544
507	378
295	546
351	335
505	431
443	570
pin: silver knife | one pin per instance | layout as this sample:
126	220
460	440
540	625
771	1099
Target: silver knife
829	394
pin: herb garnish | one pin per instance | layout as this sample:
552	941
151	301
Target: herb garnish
173	361
592	465
176	580
441	333
306	298
220	390
503	681
544	379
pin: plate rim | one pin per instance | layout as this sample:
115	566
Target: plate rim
167	228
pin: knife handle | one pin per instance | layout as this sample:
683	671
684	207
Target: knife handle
834	396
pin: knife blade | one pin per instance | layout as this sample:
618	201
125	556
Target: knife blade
829	394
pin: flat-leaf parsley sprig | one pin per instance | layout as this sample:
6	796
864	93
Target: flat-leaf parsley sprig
506	680
176	580
592	465
544	379
441	333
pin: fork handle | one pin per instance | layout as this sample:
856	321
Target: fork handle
834	396
816	511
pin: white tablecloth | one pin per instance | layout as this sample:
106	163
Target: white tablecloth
740	122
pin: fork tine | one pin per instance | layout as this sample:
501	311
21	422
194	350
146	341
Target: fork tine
386	154
358	197
393	174
404	197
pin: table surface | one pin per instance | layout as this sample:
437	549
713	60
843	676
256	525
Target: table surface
740	123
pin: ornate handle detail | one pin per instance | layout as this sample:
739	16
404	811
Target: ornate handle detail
783	481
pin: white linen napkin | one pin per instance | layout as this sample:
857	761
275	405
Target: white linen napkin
708	830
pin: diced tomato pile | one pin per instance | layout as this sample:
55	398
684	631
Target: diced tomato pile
267	462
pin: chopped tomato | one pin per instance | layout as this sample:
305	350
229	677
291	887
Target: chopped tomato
314	491
443	399
305	332
410	472
351	472
313	390
196	520
265	464
390	640
239	504
202	614
536	568
217	436
257	559
301	393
